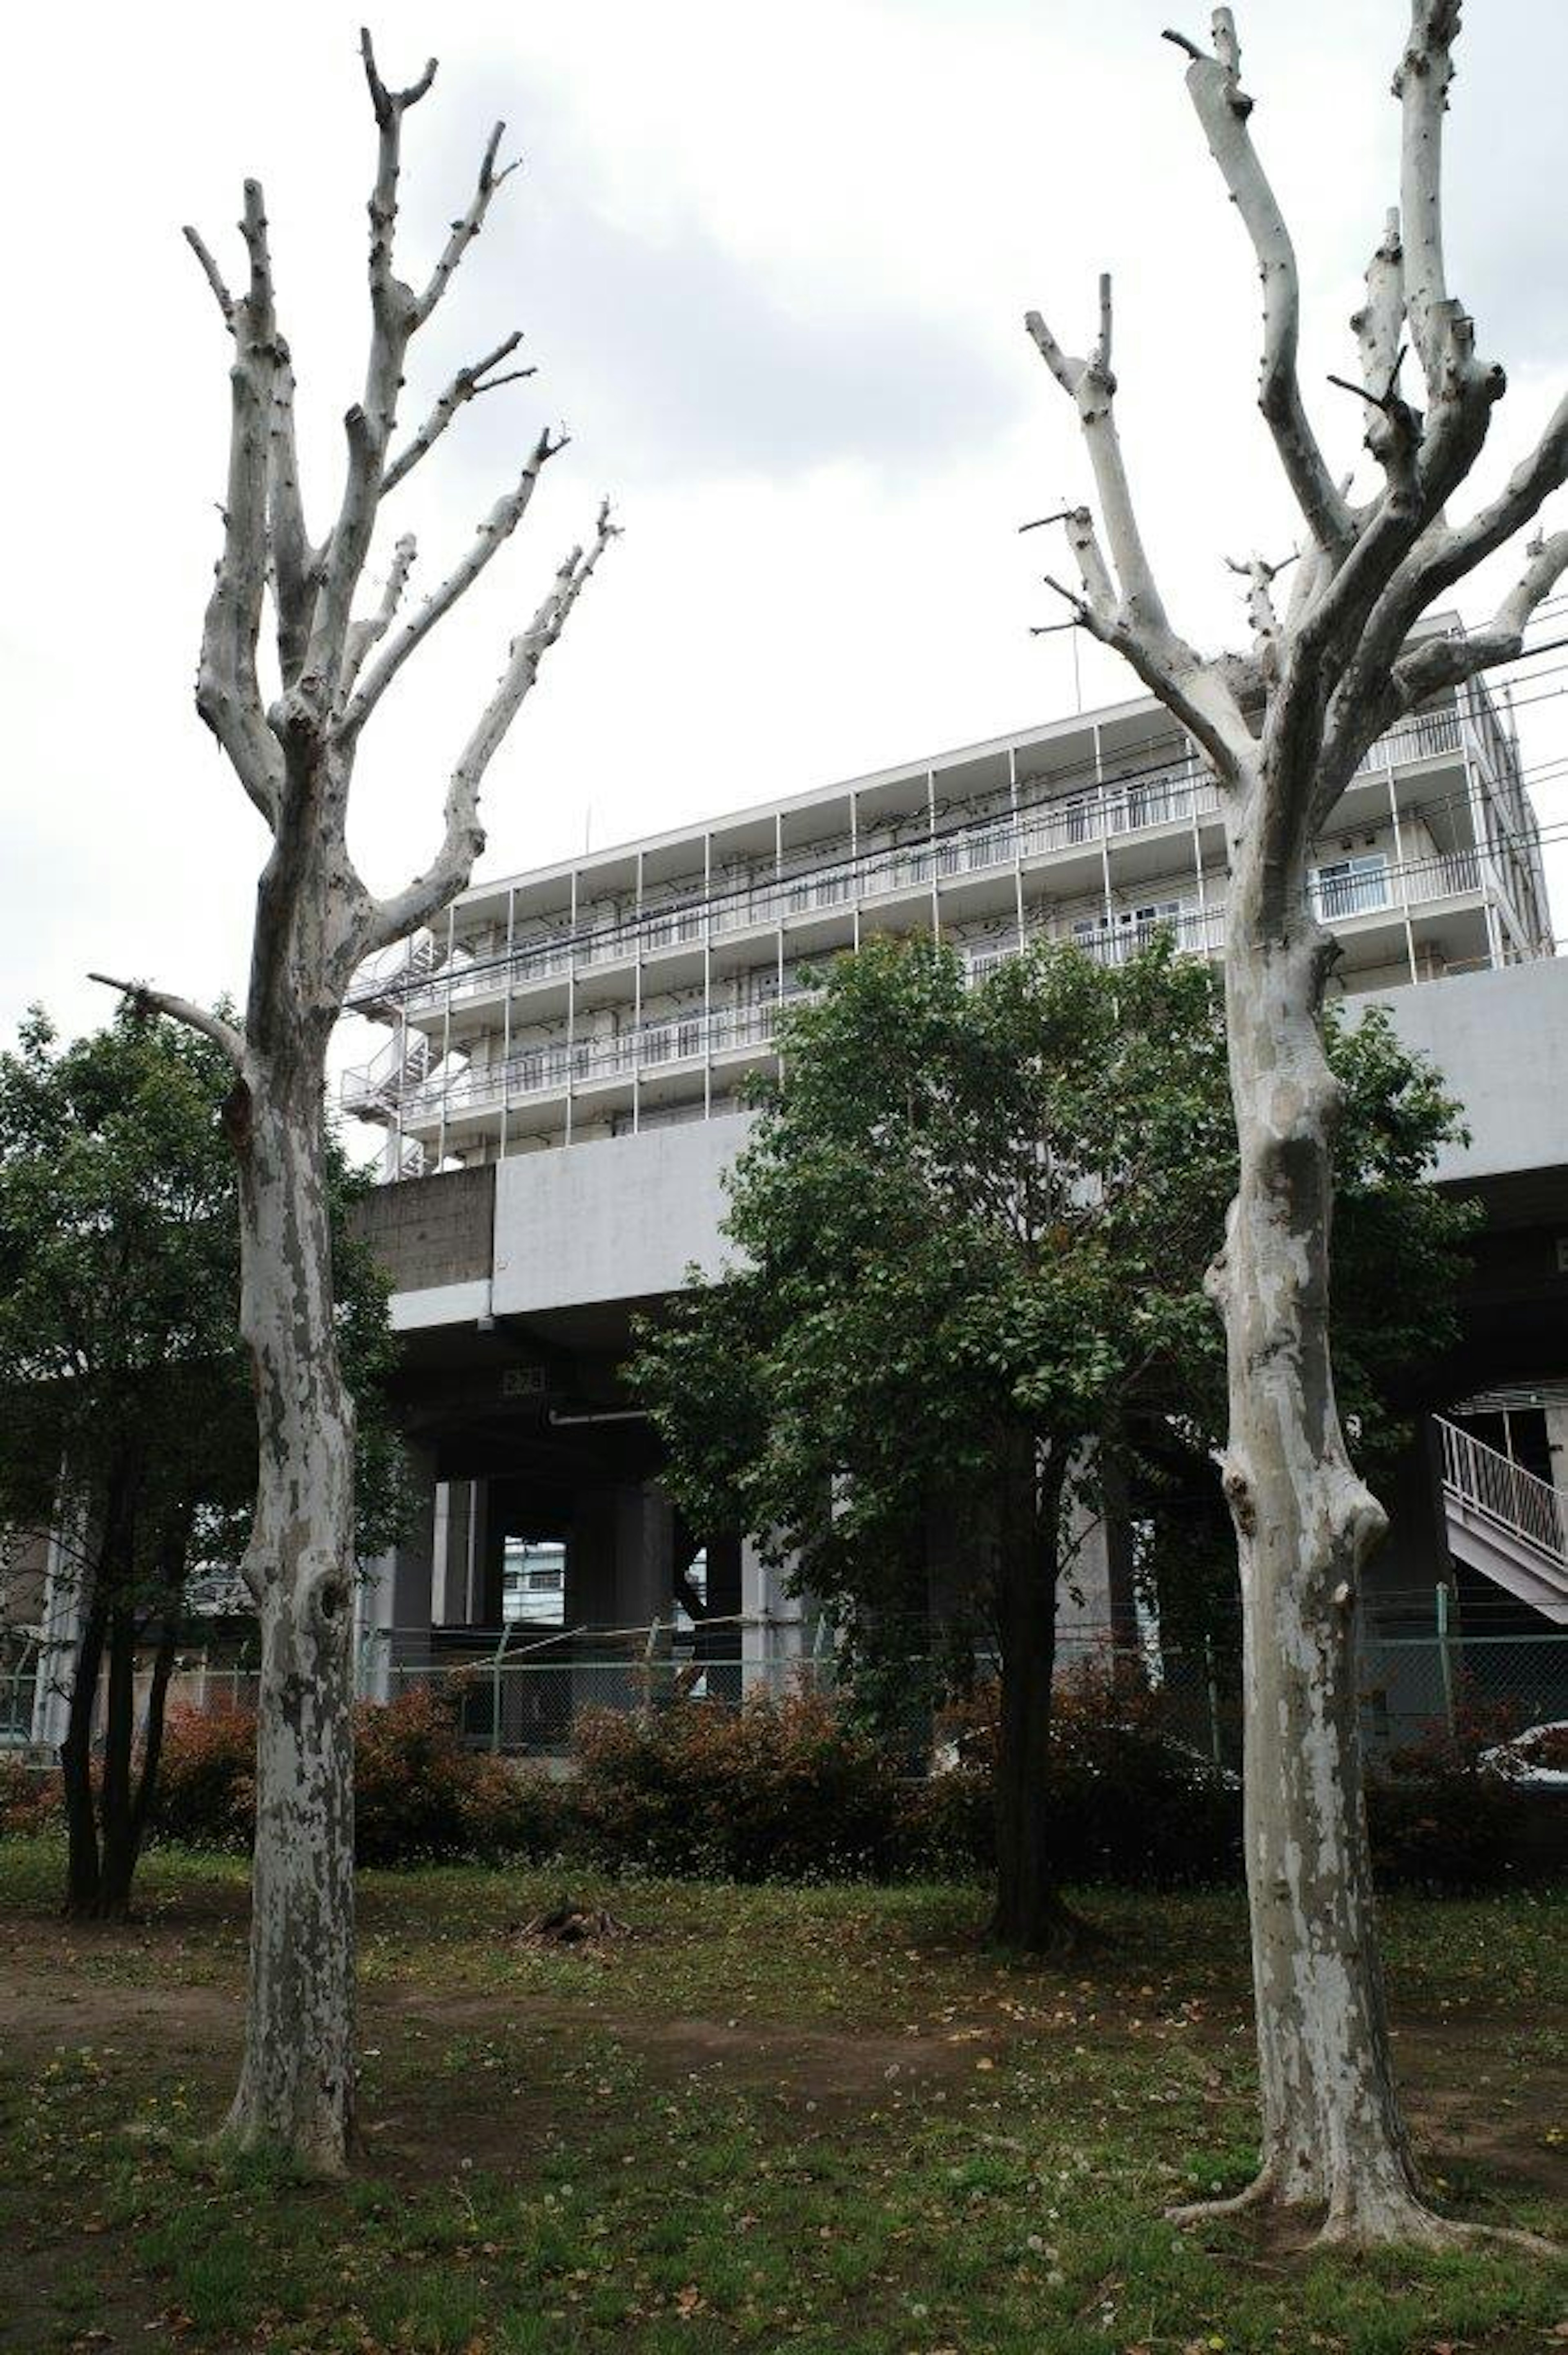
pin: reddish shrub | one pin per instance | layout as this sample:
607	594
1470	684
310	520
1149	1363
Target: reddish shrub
776	1790
29	1799
419	1793
206	1779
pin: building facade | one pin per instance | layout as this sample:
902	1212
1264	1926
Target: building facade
559	1085
638	986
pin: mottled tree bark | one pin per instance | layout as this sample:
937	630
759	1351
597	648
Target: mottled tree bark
1282	728
1332	2138
316	921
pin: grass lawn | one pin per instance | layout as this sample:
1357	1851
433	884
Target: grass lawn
816	2120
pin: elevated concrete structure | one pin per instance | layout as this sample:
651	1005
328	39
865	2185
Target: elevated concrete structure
585	1030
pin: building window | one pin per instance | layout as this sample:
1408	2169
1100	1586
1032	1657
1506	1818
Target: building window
1349	887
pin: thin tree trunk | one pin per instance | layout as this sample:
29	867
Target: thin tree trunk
1332	2137
117	1854
1028	1912
76	1765
177	1544
296	2087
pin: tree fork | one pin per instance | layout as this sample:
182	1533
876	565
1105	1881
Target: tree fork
1282	728
315	924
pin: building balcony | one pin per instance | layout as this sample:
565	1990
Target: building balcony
1133	809
556	1066
1377	909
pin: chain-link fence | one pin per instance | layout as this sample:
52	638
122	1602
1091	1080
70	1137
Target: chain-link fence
1411	1686
523	1698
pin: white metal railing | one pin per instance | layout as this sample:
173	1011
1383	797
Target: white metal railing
1197	931
1412	884
554	1064
1424	736
376	1086
560	1063
1493	1485
385	979
1169	796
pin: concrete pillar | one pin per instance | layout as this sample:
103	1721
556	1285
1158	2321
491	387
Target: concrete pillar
773	1635
645	1556
393	1613
454	1547
1095	1597
60	1622
1556	1413
487	1558
590	1560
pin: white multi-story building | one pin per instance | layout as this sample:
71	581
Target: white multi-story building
637	985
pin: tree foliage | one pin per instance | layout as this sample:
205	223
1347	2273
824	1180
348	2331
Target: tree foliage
970	1229
127	1422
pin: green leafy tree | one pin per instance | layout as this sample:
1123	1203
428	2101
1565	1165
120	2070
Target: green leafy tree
972	1227
127	1422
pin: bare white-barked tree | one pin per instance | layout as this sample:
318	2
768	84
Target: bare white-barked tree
1283	727
294	745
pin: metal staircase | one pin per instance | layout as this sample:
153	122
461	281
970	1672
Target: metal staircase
375	1090
382	984
1504	1522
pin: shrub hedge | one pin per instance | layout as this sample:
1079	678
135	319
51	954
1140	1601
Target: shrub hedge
793	1790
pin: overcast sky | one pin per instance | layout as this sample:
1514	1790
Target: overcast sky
771	263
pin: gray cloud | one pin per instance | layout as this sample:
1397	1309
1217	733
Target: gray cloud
668	351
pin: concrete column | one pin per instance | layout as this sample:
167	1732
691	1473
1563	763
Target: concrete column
1556	1413
455	1522
590	1561
645	1556
773	1634
621	1558
487	1560
61	1618
394	1614
1095	1594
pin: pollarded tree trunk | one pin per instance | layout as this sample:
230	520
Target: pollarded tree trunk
1332	2137
1282	728
315	920
296	2088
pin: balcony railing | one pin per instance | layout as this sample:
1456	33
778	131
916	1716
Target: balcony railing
560	1064
557	1064
1175	796
1337	897
1195	930
1172	796
1425	736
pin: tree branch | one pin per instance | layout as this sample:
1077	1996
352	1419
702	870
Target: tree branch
181	1009
1091	386
466	228
405	912
214	275
1223	108
363	635
228	694
1441	663
1134	622
1260	578
1421	85
368	426
468	383
498	527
